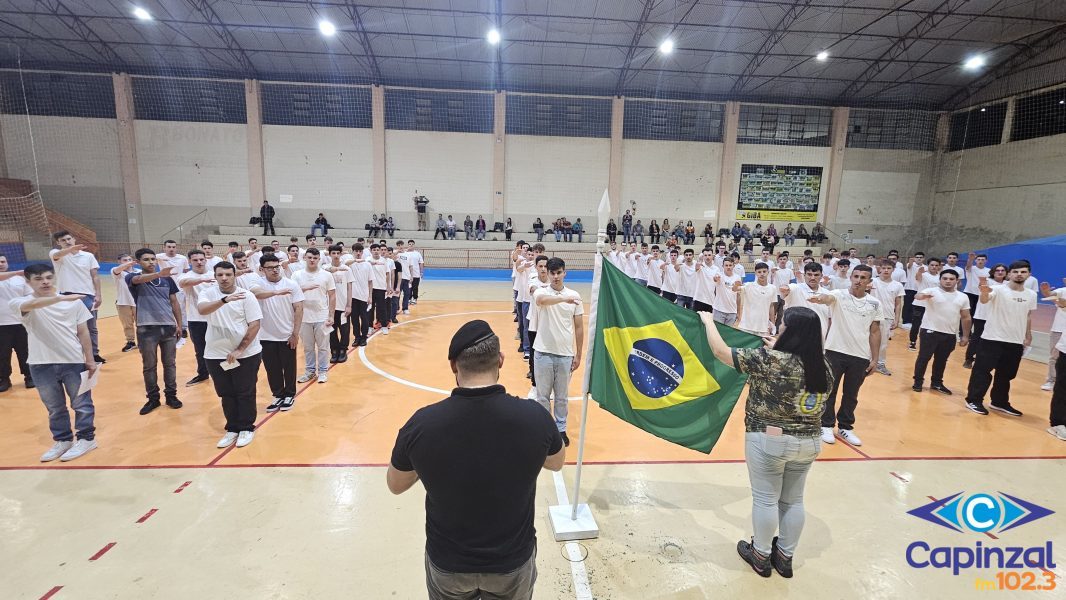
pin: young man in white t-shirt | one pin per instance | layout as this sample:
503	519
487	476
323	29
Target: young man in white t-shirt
976	268
362	293
726	286
178	264
559	341
418	269
124	303
524	267
209	253
703	294
233	351
852	348
320	297
799	294
686	279
997	276
889	293
1057	417
1058	325
655	272
945	309
781	275
537	281
59	352
910	288
756	303
282	303
342	312
925	277
198	279
379	270
12	334
77	272
1008	331
405	276
670	275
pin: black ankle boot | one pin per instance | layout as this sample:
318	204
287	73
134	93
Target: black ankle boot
759	563
782	564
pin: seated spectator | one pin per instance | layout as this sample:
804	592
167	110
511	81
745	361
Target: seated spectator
690	233
557	229
538	228
441	228
771	230
737	232
390	226
479	228
679	231
801	232
654	232
745	231
757	232
468	227
322	225
749	247
451	227
612	230
708	233
508	229
790	235
568	230
579	229
817	235
638	232
373	228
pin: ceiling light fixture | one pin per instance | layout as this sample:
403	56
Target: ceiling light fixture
494	36
667	46
326	27
823	55
982	110
974	62
142	14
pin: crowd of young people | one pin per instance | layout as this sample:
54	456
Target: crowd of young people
255	306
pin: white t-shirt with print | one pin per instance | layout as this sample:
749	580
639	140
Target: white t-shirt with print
852	317
53	331
555	323
1008	314
74	272
227	326
316	301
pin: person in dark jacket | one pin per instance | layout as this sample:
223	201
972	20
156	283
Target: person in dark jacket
266	218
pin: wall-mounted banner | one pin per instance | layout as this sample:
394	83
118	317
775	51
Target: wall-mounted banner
779	193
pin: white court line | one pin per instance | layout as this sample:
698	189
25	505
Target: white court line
573	551
577	566
419	386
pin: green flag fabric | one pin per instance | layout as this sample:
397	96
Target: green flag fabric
651	364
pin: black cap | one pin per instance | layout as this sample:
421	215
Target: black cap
469	335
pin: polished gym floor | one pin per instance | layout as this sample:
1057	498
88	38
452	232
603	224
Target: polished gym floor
303	512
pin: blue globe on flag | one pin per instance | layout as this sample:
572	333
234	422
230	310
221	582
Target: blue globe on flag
655	367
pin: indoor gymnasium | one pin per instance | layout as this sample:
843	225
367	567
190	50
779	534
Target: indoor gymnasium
593	299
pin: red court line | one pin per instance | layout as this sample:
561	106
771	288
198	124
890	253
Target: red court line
182	487
899	477
988	533
587	462
308	385
103	550
51	592
147	515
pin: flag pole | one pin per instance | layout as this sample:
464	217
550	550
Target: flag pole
579	524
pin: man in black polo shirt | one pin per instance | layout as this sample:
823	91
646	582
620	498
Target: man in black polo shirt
478	454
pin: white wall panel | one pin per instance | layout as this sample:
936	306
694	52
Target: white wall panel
454	170
551	177
674	180
193	164
323	168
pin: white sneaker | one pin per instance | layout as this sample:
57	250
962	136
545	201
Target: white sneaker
385	330
1058	431
849	436
1048	386
244	438
321	379
406	312
827	435
179	344
79	448
532	395
227	440
56	451
308	376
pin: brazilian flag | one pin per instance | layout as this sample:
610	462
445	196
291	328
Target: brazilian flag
651	364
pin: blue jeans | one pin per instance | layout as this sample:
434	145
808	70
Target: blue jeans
94	334
553	376
558	235
405	291
55	383
451	233
523	326
626	229
777	467
319	228
684	301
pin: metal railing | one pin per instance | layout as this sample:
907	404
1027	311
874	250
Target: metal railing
184	227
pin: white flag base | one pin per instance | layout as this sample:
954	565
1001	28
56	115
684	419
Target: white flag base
566	529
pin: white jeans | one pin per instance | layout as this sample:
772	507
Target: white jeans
777	467
315	340
886	334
